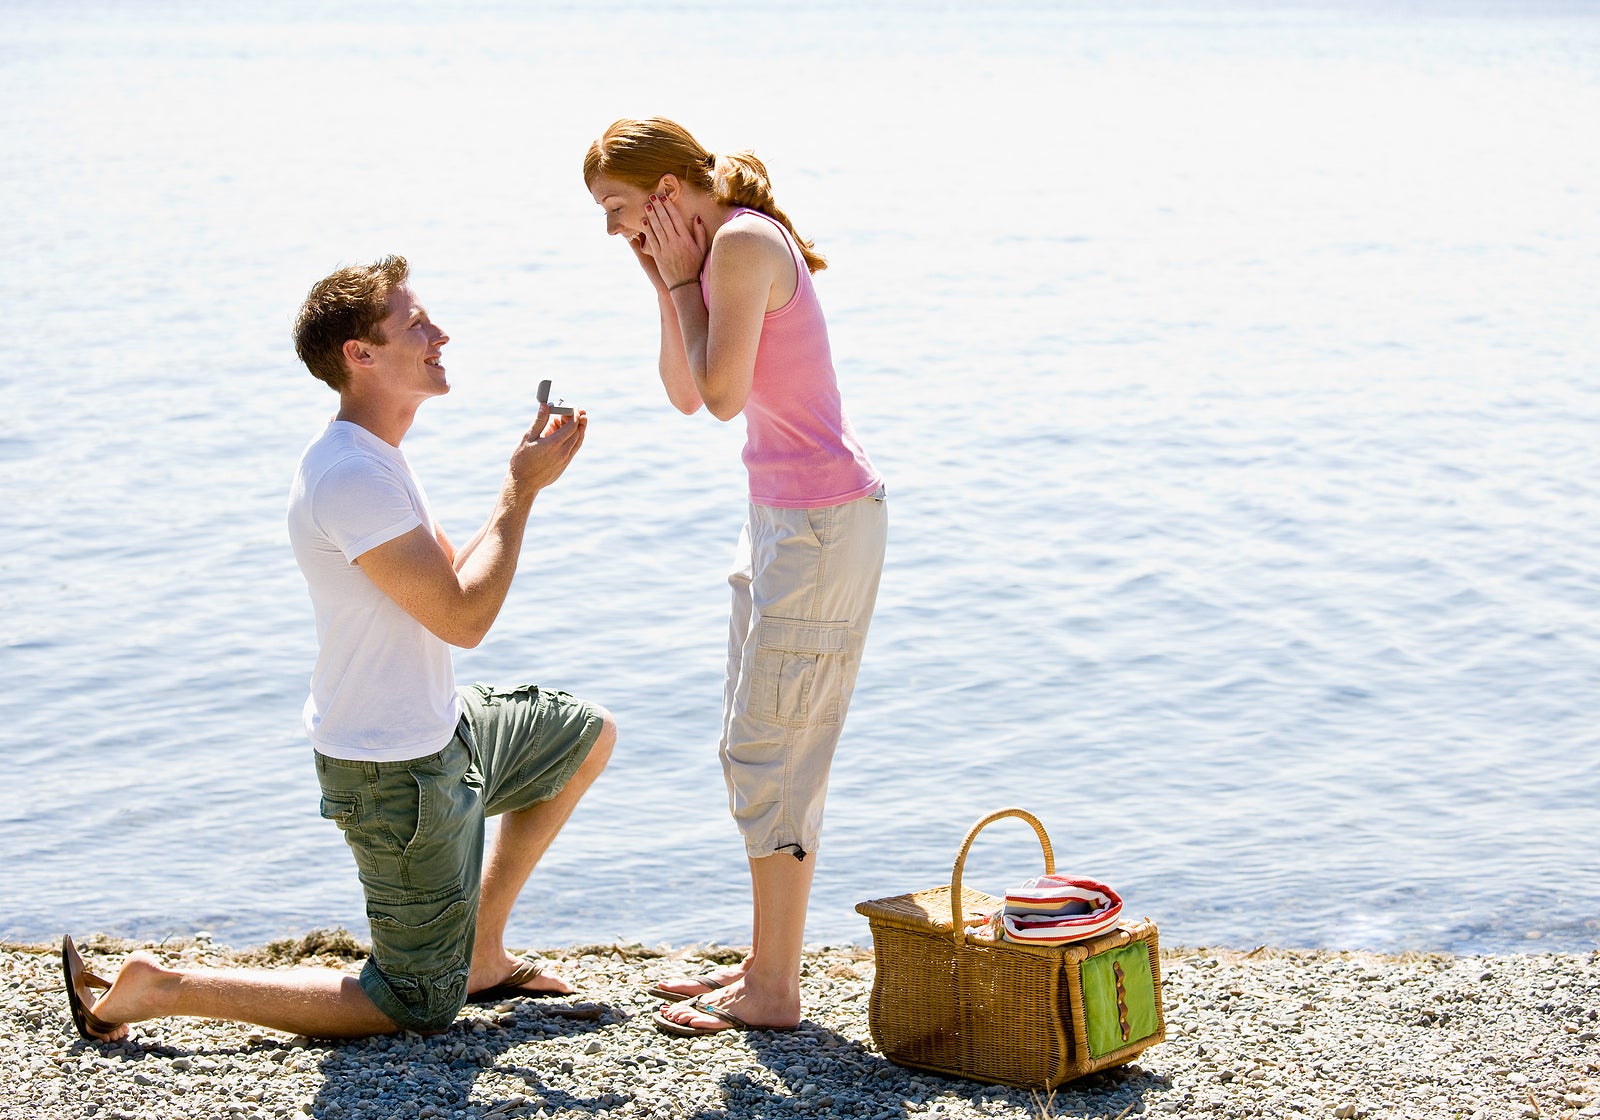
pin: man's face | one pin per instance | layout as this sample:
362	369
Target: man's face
408	358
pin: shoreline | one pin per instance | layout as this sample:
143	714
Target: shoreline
1270	1033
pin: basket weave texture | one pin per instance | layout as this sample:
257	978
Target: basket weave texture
1003	1011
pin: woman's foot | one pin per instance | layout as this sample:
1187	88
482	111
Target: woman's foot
740	1006
687	987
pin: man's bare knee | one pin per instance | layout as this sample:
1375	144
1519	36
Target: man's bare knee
600	753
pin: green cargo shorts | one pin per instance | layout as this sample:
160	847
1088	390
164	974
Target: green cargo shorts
416	828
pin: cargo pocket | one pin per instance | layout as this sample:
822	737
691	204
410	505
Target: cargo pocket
420	949
798	667
343	807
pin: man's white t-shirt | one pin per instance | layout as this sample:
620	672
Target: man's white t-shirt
383	689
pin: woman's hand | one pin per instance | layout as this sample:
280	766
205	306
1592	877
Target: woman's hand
676	244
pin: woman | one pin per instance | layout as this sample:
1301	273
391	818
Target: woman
742	332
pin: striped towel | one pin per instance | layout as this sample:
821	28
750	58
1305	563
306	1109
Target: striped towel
1053	910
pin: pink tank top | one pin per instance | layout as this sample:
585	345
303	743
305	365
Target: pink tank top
799	448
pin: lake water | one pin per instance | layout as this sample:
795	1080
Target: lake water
1233	368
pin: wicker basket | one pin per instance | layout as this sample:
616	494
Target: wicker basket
1032	1016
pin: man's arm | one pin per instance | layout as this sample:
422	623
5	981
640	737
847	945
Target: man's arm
458	595
458	556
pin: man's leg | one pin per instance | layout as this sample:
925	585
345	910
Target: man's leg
316	1002
522	838
327	1003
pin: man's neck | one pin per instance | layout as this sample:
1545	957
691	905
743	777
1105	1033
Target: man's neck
386	422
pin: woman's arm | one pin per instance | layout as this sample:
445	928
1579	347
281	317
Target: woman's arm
673	365
747	261
674	361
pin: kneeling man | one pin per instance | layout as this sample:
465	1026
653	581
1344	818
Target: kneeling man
410	766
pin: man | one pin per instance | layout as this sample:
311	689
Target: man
409	765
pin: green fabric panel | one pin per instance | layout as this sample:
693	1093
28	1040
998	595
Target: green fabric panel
1100	997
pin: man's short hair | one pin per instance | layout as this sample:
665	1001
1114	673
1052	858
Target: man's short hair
350	304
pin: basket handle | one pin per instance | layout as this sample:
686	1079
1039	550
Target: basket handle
966	845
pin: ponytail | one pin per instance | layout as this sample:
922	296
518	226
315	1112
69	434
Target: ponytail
741	180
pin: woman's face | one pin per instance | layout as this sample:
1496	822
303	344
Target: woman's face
624	205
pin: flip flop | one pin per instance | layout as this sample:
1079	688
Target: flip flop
709	983
683	1030
80	993
511	987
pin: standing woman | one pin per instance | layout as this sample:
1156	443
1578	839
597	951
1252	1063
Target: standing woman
742	332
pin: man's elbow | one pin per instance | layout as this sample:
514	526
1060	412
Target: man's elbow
472	637
463	633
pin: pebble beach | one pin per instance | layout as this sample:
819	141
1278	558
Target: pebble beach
1265	1033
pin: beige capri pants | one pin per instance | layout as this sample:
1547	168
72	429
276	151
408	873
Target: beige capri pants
804	584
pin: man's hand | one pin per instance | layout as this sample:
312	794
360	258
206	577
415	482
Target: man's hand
546	449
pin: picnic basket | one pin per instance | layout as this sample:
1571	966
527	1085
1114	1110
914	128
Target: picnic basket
950	997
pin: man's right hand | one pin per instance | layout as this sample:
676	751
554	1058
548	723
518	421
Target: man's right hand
457	594
546	449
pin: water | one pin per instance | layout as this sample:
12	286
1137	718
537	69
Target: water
1232	367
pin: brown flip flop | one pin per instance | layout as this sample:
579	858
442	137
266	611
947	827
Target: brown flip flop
80	993
683	1030
511	987
709	983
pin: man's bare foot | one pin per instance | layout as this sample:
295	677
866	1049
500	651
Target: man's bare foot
512	976
134	995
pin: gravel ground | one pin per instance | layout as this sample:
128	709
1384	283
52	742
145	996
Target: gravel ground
1261	1034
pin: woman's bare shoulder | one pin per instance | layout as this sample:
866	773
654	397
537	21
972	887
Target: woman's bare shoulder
750	231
